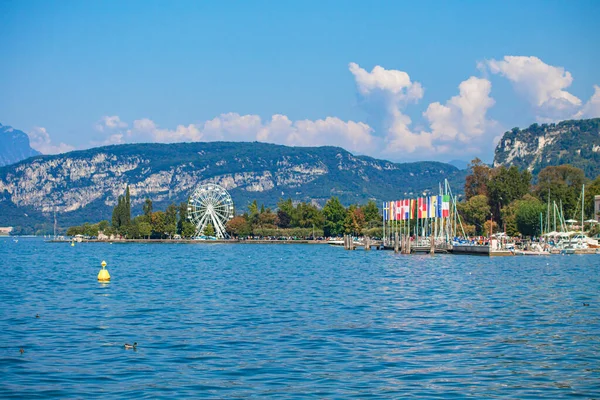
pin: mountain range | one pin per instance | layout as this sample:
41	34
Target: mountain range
575	142
84	185
14	146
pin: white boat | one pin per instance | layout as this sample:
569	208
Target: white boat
577	241
531	253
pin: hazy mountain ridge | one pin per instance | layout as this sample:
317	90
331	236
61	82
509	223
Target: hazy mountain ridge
14	146
84	185
575	142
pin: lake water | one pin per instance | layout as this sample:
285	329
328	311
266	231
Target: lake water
294	321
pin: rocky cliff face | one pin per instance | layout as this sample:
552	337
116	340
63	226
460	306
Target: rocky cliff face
568	142
84	185
14	146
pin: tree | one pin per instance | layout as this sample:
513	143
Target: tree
561	184
355	220
184	226
147	209
475	211
267	219
486	227
103	225
507	185
238	226
133	229
591	190
371	212
126	212
284	213
121	215
306	216
74	230
116	213
145	229
335	215
476	182
528	216
209	230
171	220
509	221
188	230
283	219
286	206
253	211
158	223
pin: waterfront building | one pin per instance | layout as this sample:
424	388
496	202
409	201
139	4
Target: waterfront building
597	208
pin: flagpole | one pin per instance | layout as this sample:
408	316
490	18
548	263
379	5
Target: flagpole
409	217
383	223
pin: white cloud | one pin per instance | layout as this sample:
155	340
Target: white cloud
391	90
463	117
591	109
457	126
40	140
233	126
541	84
354	136
115	138
110	122
459	121
147	128
394	82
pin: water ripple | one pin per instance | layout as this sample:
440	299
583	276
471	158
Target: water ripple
294	321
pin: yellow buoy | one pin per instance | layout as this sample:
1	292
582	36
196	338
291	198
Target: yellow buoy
72	243
103	275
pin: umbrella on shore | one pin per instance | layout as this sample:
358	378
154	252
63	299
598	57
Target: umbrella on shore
571	221
591	221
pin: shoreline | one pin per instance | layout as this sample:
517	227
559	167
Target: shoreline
467	250
188	241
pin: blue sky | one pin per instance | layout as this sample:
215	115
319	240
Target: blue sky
77	74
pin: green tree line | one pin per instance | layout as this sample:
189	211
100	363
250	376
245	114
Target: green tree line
510	200
288	219
149	225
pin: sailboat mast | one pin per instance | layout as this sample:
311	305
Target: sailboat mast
582	204
554	213
548	214
383	223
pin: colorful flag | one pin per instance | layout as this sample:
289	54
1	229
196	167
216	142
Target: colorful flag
434	207
438	210
392	210
446	206
422	211
407	209
386	210
413	207
399	213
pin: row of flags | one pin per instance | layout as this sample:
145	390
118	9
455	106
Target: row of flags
423	207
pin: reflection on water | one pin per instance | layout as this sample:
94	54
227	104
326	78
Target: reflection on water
294	321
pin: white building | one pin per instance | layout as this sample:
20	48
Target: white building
597	208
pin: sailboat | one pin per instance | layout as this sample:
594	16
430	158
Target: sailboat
579	240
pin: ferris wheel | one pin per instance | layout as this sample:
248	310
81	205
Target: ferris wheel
210	204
